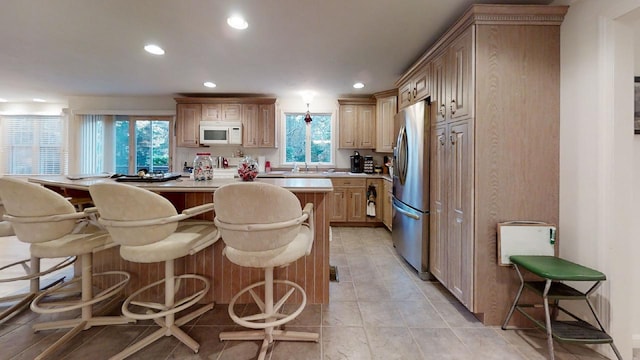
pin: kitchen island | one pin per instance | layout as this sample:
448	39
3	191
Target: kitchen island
310	272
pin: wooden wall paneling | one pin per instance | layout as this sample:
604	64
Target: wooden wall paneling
518	70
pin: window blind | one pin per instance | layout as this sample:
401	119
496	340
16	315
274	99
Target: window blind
32	145
92	135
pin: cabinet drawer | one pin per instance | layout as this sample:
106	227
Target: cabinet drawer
348	182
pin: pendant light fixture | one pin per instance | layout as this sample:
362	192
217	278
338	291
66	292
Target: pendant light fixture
307	116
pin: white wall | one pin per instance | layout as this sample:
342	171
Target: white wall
600	158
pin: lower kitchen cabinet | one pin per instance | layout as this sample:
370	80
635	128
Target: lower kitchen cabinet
349	200
387	203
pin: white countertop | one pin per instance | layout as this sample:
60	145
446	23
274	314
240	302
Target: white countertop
187	185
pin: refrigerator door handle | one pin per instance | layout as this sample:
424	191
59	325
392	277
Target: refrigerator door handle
405	212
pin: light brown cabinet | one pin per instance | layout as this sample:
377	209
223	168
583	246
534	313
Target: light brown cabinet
256	114
188	125
386	109
490	143
452	246
348	201
258	125
387	205
414	86
222	112
357	124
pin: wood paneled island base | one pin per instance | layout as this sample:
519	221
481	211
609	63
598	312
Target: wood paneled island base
227	279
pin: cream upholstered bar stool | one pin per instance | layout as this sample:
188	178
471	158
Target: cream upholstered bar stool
149	229
29	270
263	226
50	223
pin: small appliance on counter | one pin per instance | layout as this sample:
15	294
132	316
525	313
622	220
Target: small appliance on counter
368	164
356	162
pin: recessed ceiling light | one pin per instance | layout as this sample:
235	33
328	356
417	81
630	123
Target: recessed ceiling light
358	85
209	84
3	100
154	49
39	100
237	22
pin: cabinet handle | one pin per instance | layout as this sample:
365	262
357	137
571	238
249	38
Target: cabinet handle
415	92
453	106
441	140
452	137
443	110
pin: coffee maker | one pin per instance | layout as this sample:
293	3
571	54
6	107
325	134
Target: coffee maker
356	162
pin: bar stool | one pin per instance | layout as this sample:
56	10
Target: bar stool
263	226
20	301
149	229
50	223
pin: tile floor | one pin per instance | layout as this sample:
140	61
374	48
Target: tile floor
378	310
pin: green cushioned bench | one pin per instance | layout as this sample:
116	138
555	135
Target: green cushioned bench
554	271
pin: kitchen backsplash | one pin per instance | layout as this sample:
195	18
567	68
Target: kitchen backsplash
230	152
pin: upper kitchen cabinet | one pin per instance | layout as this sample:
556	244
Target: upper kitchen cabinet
188	125
222	112
414	85
257	115
495	80
386	109
357	123
259	126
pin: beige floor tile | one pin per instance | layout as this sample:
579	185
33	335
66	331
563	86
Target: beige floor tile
420	314
341	313
389	343
440	344
342	291
380	314
311	315
210	345
371	291
345	343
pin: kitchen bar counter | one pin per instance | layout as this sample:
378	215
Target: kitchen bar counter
293	184
310	272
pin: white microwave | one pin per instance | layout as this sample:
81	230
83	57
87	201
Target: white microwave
215	133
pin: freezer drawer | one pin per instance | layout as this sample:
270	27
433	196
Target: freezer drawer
411	236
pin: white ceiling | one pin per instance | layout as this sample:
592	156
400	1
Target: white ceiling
56	49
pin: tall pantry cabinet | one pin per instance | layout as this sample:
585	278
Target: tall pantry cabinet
495	77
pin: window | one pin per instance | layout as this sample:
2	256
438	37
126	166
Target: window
125	144
308	143
32	145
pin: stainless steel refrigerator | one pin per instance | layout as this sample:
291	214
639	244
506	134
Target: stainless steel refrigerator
411	186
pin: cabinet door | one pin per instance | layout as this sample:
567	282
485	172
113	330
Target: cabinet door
386	110
250	127
439	92
188	125
461	76
231	112
366	127
338	205
211	112
421	87
387	208
267	126
405	95
356	203
460	215
347	127
438	215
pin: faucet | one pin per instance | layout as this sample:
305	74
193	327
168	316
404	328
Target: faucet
306	167
295	168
